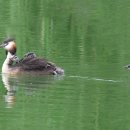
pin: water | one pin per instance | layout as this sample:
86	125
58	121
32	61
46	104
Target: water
90	40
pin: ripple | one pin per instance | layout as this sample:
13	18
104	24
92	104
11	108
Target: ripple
95	79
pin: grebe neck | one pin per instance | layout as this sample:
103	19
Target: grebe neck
7	63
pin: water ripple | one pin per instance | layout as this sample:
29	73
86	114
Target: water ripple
95	79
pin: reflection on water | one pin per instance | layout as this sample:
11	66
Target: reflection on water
49	102
10	99
10	91
90	40
30	82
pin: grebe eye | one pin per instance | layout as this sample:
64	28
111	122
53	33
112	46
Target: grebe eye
5	44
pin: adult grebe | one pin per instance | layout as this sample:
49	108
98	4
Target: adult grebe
29	63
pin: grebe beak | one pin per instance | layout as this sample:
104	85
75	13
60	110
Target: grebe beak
3	45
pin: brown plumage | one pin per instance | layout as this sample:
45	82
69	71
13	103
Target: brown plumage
29	63
36	64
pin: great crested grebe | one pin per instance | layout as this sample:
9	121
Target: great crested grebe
29	63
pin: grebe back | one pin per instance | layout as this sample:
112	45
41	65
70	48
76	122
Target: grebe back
29	63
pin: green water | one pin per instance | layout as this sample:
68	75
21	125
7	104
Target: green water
90	39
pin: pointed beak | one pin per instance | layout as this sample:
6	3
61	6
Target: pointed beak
2	45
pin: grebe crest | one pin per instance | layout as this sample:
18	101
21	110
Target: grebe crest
9	45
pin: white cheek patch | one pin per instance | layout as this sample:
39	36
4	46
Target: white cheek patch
10	46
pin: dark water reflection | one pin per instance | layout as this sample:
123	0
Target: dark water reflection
90	40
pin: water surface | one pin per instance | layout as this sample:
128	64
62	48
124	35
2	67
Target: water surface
90	40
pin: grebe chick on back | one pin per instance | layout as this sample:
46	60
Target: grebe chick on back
29	63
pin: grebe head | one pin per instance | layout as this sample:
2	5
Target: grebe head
9	45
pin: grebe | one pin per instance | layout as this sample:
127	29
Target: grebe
29	63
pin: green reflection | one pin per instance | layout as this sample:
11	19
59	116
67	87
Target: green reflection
90	40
